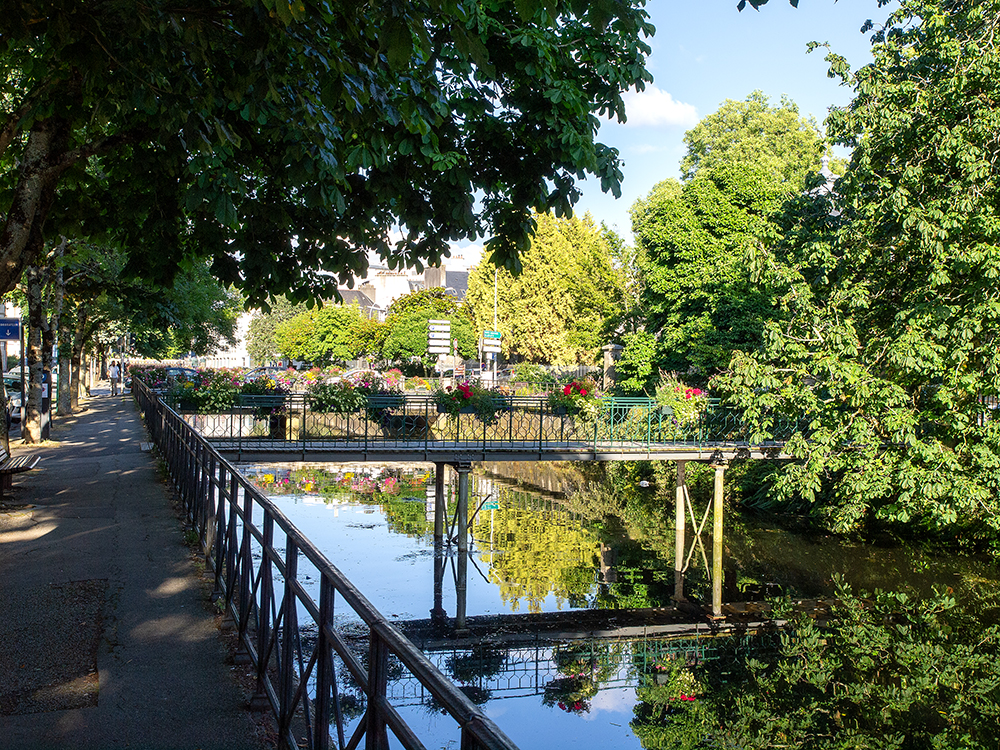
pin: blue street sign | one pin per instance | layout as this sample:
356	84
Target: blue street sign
10	329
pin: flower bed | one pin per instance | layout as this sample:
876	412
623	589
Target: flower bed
469	398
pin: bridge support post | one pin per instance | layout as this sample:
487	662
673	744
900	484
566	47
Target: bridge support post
720	470
439	503
680	526
462	531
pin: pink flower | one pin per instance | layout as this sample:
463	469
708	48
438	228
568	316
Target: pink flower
583	391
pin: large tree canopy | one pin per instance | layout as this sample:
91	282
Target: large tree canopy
694	238
286	140
777	138
890	351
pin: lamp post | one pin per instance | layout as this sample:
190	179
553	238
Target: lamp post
495	271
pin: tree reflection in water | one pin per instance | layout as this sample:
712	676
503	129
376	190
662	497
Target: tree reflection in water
886	671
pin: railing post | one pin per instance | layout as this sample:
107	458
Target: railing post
376	737
245	578
210	498
260	699
326	685
463	543
289	633
230	546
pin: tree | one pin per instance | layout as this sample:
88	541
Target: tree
778	139
889	352
695	239
261	345
435	299
322	335
555	310
283	141
406	334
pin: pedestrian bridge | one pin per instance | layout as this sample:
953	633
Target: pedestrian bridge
527	428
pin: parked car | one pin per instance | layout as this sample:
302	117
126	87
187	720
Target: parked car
181	373
15	398
265	371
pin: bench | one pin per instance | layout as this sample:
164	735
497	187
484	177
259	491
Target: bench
11	465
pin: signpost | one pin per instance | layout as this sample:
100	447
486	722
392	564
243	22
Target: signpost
10	329
491	341
491	348
438	336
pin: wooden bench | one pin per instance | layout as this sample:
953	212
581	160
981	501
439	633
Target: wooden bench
11	465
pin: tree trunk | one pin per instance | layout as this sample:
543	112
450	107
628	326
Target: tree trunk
31	427
21	240
81	334
67	375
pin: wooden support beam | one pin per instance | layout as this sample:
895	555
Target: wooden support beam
679	530
720	470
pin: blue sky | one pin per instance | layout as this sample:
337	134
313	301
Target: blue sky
705	52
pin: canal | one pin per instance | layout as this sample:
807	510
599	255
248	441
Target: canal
555	549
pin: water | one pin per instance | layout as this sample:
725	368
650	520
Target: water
531	554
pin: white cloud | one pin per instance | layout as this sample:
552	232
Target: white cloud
655	107
647	148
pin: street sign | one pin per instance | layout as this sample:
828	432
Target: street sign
439	335
439	322
10	329
439	349
491	335
439	328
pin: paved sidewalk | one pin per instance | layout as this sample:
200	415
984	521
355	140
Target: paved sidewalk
106	639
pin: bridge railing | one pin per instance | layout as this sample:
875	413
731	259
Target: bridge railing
300	651
520	423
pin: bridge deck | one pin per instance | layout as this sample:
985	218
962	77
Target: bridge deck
443	451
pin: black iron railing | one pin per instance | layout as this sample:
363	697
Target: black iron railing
300	651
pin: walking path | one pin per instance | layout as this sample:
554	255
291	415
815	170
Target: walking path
106	636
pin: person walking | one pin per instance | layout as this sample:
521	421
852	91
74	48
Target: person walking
114	374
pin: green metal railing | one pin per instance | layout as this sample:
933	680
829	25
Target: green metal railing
413	422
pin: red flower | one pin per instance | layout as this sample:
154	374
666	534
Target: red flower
583	391
568	389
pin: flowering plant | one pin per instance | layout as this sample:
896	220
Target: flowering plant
681	404
570	694
342	397
573	395
355	393
266	394
486	403
211	392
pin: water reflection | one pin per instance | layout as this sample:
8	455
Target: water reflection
540	563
